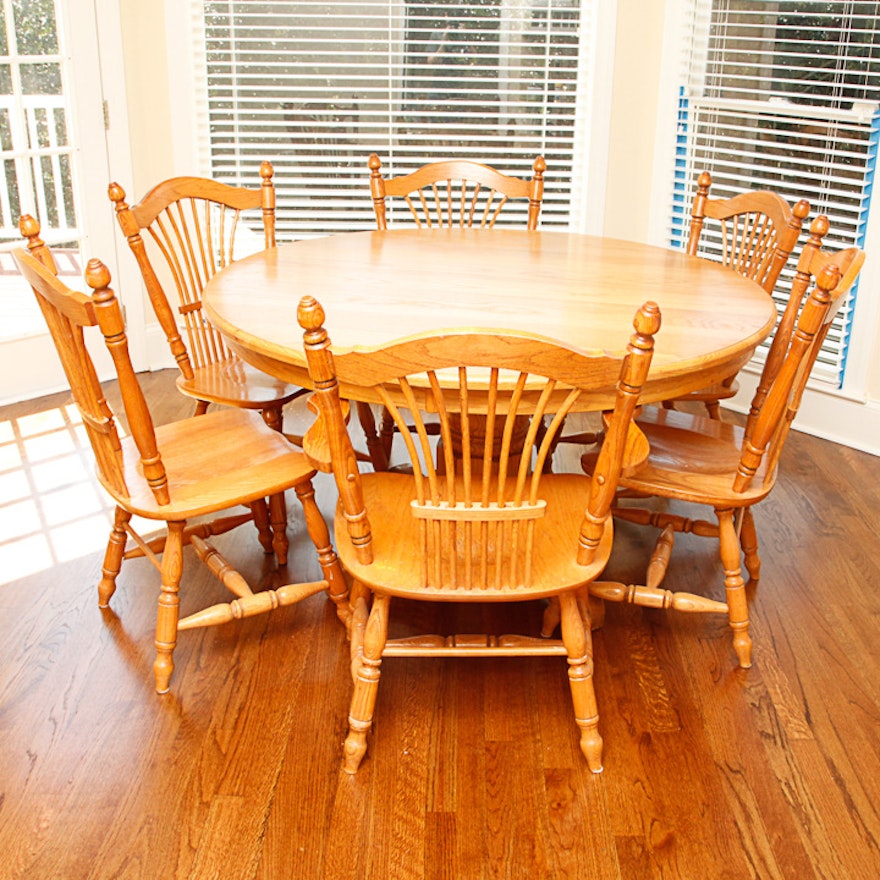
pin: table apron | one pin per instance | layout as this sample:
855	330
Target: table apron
660	386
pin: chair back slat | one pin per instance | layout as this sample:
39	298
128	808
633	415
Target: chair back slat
755	233
181	240
770	418
848	264
500	400
194	224
67	314
811	261
456	193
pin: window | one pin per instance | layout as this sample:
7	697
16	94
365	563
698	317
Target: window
33	119
784	96
315	87
35	149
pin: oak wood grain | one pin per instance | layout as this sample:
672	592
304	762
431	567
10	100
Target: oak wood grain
775	772
383	286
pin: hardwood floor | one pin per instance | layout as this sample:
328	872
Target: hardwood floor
474	769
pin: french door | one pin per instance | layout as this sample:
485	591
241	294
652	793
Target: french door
55	167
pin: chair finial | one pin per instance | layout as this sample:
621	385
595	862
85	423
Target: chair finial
97	276
820	226
117	195
28	227
310	314
647	319
801	209
828	278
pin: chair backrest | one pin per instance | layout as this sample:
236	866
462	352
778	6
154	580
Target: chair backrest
68	313
757	231
811	261
457	192
770	419
194	223
478	501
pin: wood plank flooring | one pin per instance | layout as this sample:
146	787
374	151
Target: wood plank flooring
473	769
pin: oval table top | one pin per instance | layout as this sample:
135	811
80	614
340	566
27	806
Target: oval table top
377	287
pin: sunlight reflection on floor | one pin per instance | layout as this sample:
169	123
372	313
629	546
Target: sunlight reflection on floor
52	508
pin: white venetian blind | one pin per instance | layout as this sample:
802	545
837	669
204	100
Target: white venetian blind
784	96
315	87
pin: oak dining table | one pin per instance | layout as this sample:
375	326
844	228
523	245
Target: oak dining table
380	286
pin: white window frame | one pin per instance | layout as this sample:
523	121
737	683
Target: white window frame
93	79
850	414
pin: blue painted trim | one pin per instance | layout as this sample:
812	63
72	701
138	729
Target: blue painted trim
678	223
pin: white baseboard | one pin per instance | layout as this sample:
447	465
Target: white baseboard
824	414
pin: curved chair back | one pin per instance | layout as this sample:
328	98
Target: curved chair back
195	225
68	313
457	192
754	235
479	493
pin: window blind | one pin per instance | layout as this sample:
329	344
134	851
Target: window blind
315	87
783	96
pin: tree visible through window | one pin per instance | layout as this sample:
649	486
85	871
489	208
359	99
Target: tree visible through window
827	54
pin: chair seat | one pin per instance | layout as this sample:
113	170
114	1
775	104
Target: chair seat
694	458
182	471
397	565
195	453
232	382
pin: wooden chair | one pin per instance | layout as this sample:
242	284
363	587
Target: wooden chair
730	468
450	193
457	192
194	224
754	235
177	472
482	523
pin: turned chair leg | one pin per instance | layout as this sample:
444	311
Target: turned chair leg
274	418
169	606
593	615
337	588
386	434
748	538
113	557
363	701
278	516
201	407
578	644
738	610
551	617
359	605
260	510
375	448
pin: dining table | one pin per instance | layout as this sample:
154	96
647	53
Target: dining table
380	286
